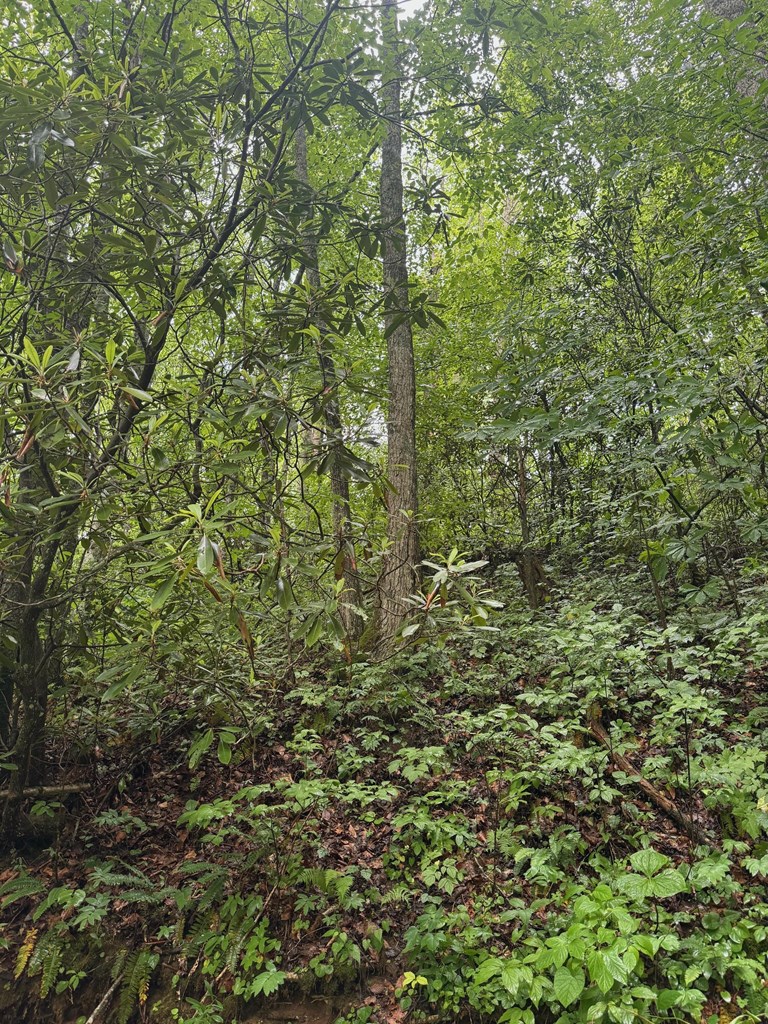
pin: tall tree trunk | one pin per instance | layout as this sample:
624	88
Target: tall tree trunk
25	688
400	566
529	563
25	701
349	598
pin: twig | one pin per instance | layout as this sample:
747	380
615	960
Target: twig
99	1013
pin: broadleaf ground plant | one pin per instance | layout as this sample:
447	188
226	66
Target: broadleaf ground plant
383	505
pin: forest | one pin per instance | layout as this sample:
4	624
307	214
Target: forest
383	512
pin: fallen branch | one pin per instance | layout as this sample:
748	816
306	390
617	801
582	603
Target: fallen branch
99	1013
41	792
669	807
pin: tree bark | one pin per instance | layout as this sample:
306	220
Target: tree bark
400	573
25	690
529	564
350	598
729	10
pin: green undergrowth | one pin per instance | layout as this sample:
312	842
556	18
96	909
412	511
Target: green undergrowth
440	835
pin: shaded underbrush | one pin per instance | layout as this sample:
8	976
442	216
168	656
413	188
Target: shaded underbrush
438	835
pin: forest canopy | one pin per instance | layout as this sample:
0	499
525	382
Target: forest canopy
383	508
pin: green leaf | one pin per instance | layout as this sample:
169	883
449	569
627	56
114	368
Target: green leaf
224	751
268	982
144	396
667	998
285	598
624	920
31	353
648	862
51	193
397	321
511	976
205	555
602	893
121	684
637	886
162	594
470	566
200	747
692	974
488	969
606	968
646	944
315	631
668	883
568	985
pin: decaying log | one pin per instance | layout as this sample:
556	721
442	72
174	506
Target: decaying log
664	804
43	792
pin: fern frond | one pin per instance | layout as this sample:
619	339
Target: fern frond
316	877
141	896
49	943
118	964
213	893
27	948
199	932
397	894
199	867
103	875
234	946
51	969
19	888
139	968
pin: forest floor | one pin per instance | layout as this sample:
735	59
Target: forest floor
442	836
